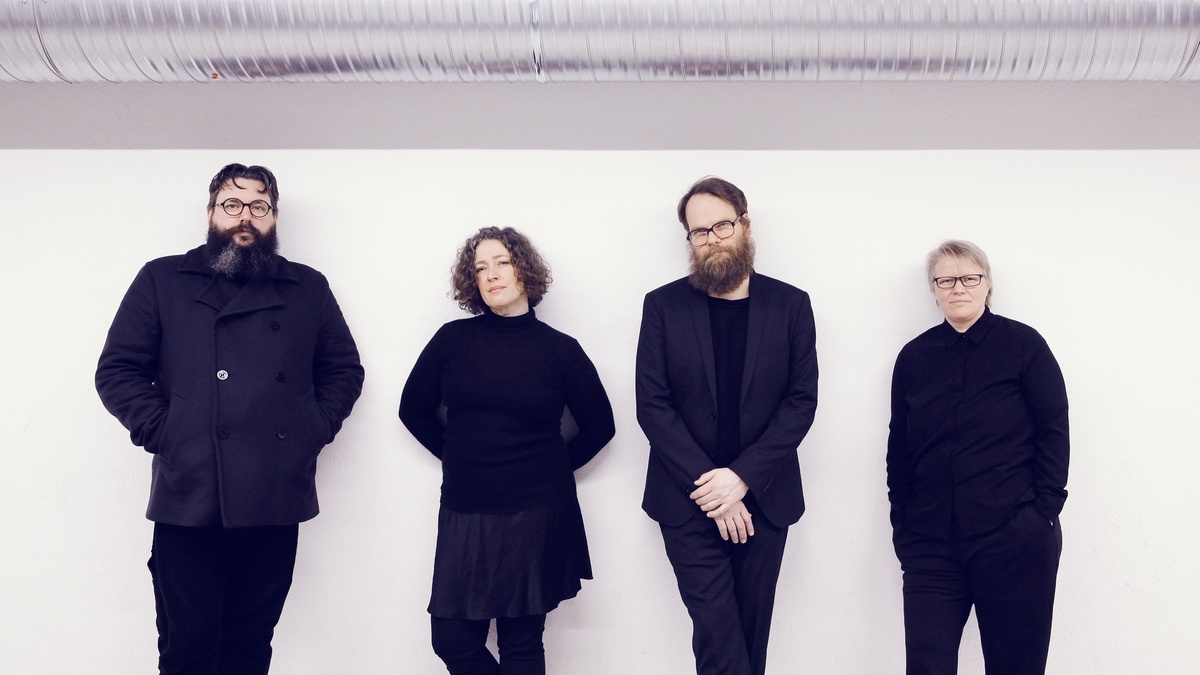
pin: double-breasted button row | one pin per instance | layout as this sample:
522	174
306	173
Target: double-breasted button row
224	375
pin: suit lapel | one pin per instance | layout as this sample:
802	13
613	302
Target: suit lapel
759	306
698	302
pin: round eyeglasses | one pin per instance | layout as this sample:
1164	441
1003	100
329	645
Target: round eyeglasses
723	229
258	208
967	280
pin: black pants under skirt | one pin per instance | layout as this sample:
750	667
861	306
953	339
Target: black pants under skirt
462	645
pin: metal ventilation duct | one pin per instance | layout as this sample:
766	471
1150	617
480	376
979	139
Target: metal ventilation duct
596	40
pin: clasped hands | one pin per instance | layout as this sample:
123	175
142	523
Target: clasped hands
719	493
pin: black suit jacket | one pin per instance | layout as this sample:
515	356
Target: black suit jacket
677	404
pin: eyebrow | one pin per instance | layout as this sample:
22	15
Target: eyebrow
722	220
480	261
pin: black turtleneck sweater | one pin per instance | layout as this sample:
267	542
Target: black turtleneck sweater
504	382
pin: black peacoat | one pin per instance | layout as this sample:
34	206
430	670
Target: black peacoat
677	397
234	389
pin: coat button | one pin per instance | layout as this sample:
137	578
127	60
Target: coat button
222	375
280	377
222	433
281	434
713	417
274	325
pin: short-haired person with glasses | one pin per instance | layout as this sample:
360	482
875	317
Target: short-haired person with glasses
726	391
977	472
233	367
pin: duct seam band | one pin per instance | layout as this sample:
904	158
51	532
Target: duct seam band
535	42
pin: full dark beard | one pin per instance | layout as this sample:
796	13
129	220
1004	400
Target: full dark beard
721	274
242	263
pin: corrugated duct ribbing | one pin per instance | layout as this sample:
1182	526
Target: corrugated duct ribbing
596	40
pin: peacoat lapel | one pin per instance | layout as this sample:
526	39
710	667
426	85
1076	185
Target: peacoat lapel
250	297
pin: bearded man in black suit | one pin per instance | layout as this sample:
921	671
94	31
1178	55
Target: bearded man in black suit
726	391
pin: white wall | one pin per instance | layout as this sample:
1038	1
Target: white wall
1095	249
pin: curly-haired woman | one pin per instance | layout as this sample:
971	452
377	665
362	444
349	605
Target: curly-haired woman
510	542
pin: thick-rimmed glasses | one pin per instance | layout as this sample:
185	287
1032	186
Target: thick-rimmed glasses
723	229
258	208
967	280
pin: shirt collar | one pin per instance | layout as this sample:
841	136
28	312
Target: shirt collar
976	333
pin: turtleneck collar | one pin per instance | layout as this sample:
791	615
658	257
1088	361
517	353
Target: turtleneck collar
521	320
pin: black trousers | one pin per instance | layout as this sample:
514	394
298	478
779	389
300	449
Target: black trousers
462	645
1008	574
219	593
729	591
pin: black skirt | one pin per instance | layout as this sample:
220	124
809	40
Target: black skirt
490	565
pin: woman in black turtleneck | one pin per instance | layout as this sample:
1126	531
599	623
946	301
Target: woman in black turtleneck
510	543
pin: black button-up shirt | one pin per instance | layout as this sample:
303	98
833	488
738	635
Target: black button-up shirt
979	427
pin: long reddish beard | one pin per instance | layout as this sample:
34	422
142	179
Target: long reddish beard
724	269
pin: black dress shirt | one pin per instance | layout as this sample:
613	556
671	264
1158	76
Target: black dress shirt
979	428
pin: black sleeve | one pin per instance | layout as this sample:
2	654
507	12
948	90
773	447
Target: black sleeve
128	364
1046	397
588	403
899	455
337	372
422	395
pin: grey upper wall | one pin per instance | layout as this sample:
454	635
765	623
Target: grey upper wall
614	116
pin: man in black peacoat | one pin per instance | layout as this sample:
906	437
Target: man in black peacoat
726	391
233	366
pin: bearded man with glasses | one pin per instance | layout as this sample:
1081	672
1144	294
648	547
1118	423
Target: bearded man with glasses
233	366
726	391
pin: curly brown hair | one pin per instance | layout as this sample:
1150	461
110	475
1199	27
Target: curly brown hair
532	271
